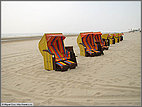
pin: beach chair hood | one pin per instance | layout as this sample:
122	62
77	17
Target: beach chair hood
55	44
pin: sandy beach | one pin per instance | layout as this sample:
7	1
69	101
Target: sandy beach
113	79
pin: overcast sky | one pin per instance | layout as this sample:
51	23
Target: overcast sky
69	16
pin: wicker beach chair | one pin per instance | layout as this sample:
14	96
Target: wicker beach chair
105	39
111	38
87	45
116	37
121	36
99	40
55	55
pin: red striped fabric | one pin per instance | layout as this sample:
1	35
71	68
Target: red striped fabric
55	45
89	43
52	45
61	46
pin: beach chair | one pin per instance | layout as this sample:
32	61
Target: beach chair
111	38
56	56
105	39
98	39
116	37
87	45
121	36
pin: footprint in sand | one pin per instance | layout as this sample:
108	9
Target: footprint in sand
32	90
50	101
89	100
18	84
61	93
132	83
98	93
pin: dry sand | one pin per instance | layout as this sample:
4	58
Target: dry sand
110	80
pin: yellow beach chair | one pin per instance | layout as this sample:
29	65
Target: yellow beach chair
98	38
87	45
121	36
105	39
55	55
111	36
116	37
111	39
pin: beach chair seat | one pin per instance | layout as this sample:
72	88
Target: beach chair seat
105	47
71	64
93	52
52	48
89	53
61	66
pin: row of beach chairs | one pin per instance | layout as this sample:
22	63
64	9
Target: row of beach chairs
60	58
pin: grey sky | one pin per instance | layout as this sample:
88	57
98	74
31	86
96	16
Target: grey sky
69	16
